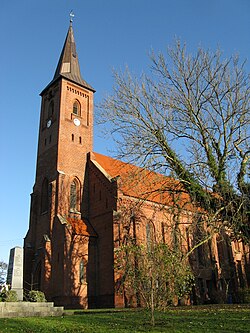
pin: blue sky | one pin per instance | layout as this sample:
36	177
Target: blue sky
109	34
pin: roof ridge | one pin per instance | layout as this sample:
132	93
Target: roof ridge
134	165
146	185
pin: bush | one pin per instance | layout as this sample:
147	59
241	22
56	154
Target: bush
36	296
8	296
244	296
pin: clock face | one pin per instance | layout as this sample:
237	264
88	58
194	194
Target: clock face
77	122
48	123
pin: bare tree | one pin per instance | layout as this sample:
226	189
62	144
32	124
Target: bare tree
189	117
158	275
151	269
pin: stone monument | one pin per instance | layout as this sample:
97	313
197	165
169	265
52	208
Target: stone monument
15	271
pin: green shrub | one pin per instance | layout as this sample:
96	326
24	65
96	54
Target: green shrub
244	296
36	296
8	296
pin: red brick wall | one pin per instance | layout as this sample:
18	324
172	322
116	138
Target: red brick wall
62	155
101	206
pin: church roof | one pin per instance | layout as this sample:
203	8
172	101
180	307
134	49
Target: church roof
141	183
68	65
79	226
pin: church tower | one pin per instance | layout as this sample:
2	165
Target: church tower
58	228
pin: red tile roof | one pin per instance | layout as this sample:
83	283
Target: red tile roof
81	227
141	183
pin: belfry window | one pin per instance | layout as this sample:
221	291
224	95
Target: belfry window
77	108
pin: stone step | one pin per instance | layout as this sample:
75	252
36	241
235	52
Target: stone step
26	304
29	309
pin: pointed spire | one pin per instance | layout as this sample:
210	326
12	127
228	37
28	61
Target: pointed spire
68	64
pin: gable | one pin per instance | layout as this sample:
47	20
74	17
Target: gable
140	183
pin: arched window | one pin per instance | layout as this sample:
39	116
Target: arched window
82	271
220	249
74	201
45	196
37	276
149	236
77	108
73	195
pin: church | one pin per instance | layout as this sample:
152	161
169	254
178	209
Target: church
83	203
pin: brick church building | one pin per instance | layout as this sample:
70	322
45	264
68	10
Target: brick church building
83	202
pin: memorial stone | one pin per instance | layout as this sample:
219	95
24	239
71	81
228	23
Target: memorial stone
15	271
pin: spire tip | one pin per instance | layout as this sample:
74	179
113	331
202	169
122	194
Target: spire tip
71	14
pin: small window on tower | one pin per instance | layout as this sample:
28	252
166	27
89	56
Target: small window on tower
77	108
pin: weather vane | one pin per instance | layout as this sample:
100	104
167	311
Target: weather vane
71	14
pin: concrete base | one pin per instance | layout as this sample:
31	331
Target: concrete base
19	293
29	309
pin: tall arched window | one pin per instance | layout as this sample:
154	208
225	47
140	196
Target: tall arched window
74	200
82	271
149	236
37	276
73	195
77	108
45	196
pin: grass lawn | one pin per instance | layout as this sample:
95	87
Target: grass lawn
233	318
